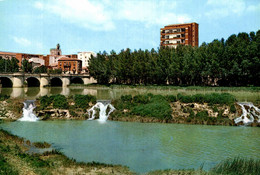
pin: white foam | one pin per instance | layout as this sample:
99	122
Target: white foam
251	112
103	114
28	114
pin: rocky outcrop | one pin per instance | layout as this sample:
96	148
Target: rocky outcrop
5	113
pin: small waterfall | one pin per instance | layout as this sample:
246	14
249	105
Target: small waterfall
28	114
102	105
250	114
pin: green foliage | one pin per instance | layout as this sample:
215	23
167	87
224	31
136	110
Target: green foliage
60	101
141	99
40	69
54	71
237	166
26	66
157	106
82	101
41	145
202	115
34	160
126	98
215	109
9	65
4	97
231	62
5	167
233	108
213	98
45	101
171	98
57	101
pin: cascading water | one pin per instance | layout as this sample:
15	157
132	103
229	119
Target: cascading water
250	114
102	105
28	114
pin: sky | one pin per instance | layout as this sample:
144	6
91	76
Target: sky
35	26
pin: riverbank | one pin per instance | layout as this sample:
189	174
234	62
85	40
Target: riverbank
170	87
208	109
16	158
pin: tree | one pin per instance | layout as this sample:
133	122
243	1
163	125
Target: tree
26	66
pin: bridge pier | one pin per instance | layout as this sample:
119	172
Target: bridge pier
17	82
89	80
65	82
44	82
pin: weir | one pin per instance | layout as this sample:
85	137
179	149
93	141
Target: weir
102	105
28	114
250	114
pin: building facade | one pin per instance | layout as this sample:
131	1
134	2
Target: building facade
70	65
84	57
20	56
184	34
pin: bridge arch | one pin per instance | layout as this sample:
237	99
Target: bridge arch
55	81
33	82
76	80
6	82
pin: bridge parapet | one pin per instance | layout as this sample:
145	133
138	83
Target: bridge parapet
19	78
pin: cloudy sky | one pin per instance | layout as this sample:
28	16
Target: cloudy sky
35	26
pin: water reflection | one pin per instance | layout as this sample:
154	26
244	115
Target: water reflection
115	93
32	92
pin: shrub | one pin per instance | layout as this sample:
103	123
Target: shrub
143	99
215	109
60	101
171	98
82	101
126	98
233	108
45	101
4	97
157	107
203	115
213	98
41	145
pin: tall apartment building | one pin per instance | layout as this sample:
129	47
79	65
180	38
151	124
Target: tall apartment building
85	56
175	34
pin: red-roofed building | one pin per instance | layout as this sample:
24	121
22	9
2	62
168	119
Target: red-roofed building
70	65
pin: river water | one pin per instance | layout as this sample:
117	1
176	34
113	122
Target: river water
143	146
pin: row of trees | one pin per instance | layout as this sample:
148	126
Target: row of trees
11	66
231	62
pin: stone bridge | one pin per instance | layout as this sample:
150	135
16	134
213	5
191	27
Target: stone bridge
41	80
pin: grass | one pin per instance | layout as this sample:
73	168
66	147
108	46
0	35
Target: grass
237	166
4	97
213	98
14	159
41	145
148	105
168	87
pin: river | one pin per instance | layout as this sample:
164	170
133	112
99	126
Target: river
141	146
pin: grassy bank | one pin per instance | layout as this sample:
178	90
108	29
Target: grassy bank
211	109
168	87
207	109
14	159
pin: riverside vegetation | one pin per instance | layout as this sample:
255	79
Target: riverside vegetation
210	109
15	159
